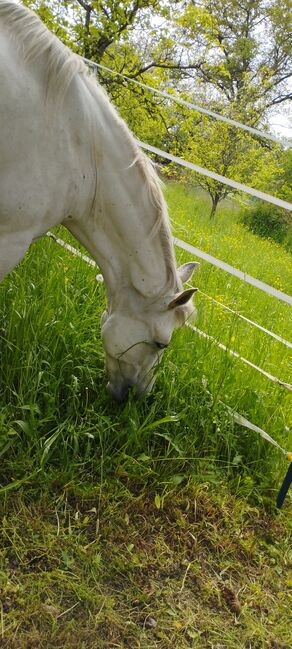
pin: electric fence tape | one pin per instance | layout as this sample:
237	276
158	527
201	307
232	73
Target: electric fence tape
269	376
188	104
201	170
244	277
242	421
221	179
242	317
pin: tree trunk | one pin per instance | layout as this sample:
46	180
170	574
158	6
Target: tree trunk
215	200
86	48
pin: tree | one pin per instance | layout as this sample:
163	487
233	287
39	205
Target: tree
244	50
239	49
100	31
225	150
95	25
233	56
265	219
236	56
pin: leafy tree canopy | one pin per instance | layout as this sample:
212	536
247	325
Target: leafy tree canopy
229	55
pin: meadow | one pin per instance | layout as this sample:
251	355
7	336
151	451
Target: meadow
176	494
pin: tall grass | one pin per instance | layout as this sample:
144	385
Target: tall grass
56	417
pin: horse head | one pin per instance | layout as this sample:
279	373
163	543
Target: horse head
136	334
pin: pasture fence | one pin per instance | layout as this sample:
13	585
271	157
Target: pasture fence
242	317
201	170
99	277
236	417
232	352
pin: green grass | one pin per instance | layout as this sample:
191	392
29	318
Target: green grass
73	456
55	408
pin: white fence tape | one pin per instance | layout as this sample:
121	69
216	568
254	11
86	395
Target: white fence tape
242	317
75	252
188	104
242	421
237	355
212	260
234	271
100	279
221	179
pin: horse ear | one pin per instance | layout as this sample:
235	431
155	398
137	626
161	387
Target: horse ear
186	270
181	298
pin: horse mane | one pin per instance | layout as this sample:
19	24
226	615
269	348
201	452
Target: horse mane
33	39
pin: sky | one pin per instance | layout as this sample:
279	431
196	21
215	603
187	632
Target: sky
281	124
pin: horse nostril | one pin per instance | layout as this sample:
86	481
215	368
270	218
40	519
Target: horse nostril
161	345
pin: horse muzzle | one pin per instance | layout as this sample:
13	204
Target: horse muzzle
118	392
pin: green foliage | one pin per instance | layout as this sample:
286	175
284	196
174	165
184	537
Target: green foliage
227	151
269	221
285	175
92	27
247	66
55	17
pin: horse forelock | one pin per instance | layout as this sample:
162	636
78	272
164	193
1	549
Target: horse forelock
34	40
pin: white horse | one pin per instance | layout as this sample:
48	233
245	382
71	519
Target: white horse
67	157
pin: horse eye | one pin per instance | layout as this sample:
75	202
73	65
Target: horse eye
160	345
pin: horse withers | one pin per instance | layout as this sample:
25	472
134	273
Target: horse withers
67	157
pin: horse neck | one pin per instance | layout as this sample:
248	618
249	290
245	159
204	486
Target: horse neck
128	227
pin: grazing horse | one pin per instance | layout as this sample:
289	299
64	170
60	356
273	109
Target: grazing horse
67	157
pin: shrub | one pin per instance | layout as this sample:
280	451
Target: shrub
269	221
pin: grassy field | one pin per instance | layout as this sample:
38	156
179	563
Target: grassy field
150	524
